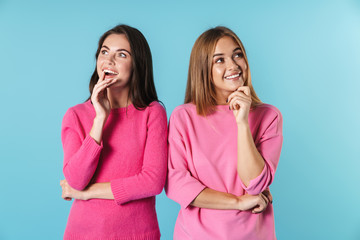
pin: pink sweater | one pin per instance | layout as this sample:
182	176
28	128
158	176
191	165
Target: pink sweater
132	156
203	153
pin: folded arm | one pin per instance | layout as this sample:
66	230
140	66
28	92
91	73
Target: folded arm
81	152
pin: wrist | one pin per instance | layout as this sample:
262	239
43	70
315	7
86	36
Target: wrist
239	203
242	124
100	119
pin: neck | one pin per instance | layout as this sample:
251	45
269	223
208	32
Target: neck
221	97
118	97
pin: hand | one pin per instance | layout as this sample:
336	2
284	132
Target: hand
240	102
68	193
268	195
255	203
99	96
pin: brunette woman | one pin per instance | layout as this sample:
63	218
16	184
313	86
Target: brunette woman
115	146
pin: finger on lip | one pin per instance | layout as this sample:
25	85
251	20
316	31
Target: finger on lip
101	76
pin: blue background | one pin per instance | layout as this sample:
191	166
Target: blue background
304	58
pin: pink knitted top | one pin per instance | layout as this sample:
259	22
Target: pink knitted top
203	153
132	156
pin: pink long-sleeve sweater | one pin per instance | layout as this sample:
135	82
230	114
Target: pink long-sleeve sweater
132	156
203	153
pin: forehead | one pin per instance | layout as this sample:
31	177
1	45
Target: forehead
118	41
226	44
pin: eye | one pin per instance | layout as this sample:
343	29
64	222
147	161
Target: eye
122	55
239	55
103	52
219	60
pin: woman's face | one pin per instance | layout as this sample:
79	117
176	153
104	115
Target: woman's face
114	60
229	67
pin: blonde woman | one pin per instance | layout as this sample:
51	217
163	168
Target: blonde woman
224	146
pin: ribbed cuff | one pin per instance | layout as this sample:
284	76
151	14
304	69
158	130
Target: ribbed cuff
91	146
119	192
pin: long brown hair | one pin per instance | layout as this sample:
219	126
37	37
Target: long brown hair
141	85
200	89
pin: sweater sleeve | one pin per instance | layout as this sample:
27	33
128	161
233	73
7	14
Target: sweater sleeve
269	146
151	179
181	186
81	152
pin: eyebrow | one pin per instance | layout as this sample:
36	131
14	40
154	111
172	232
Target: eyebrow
119	50
220	54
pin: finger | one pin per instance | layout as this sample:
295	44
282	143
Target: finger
264	198
236	94
101	84
267	193
235	104
245	89
261	206
100	87
101	76
111	82
258	209
104	84
238	102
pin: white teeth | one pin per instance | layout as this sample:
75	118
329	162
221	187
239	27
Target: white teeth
109	71
233	76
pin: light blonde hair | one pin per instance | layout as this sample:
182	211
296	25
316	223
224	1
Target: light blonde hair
200	89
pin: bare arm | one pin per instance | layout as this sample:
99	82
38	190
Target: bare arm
102	107
96	190
250	162
213	199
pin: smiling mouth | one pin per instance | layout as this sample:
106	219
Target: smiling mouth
234	76
110	73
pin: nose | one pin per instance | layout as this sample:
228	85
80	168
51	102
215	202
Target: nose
110	59
232	65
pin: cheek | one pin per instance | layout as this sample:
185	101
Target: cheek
217	72
125	66
243	64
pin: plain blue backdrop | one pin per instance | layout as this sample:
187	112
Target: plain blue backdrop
304	58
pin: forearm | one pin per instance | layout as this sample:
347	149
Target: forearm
98	190
250	162
97	129
81	158
213	199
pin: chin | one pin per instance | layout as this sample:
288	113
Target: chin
234	87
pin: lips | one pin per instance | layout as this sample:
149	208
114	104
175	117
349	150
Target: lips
235	76
109	72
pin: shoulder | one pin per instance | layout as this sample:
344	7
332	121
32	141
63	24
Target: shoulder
265	115
155	113
156	108
79	110
184	110
78	115
267	110
182	117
